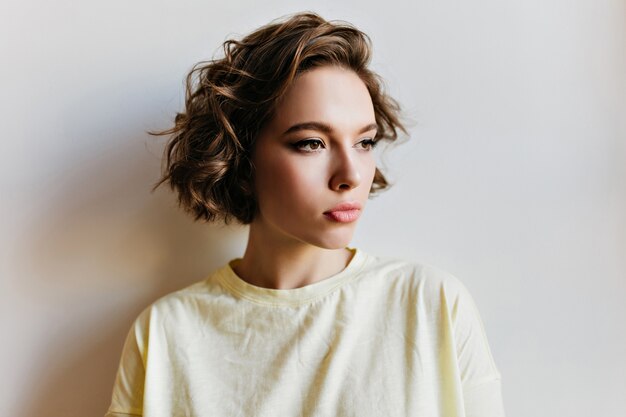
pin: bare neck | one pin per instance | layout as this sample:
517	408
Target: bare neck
279	263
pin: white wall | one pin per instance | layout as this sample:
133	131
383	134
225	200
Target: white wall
514	180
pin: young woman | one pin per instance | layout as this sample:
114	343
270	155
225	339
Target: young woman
278	134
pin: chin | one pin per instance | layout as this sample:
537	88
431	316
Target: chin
336	246
338	241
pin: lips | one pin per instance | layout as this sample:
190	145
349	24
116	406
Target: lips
344	212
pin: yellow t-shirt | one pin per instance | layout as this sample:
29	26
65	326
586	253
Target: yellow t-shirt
383	337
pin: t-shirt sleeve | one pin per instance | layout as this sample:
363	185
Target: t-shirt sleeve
127	397
480	376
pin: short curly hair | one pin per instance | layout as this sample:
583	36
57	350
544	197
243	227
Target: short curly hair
228	100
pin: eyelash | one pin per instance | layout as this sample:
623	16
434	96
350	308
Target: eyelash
371	144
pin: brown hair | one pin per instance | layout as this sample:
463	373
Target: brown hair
228	101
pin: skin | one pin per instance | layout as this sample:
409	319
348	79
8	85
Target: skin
302	173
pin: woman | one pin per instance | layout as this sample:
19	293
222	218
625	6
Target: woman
278	134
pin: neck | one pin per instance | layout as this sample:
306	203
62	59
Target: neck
279	263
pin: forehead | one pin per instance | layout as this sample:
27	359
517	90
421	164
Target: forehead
332	95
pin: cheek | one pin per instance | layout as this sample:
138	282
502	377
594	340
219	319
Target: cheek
368	171
288	182
371	167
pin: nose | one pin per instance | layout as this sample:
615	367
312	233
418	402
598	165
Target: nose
345	173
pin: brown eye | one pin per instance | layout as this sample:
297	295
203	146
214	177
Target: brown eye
308	145
368	143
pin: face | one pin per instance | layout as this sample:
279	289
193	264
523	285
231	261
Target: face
315	154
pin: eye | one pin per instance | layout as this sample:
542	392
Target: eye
368	143
308	145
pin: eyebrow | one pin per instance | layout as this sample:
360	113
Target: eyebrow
324	128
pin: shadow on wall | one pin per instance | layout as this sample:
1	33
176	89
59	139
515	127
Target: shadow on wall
104	249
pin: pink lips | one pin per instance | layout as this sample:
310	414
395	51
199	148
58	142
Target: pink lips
344	212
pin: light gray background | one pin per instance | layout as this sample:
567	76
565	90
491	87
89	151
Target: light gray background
513	180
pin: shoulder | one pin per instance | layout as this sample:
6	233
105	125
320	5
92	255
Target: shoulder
439	296
414	275
183	305
413	282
